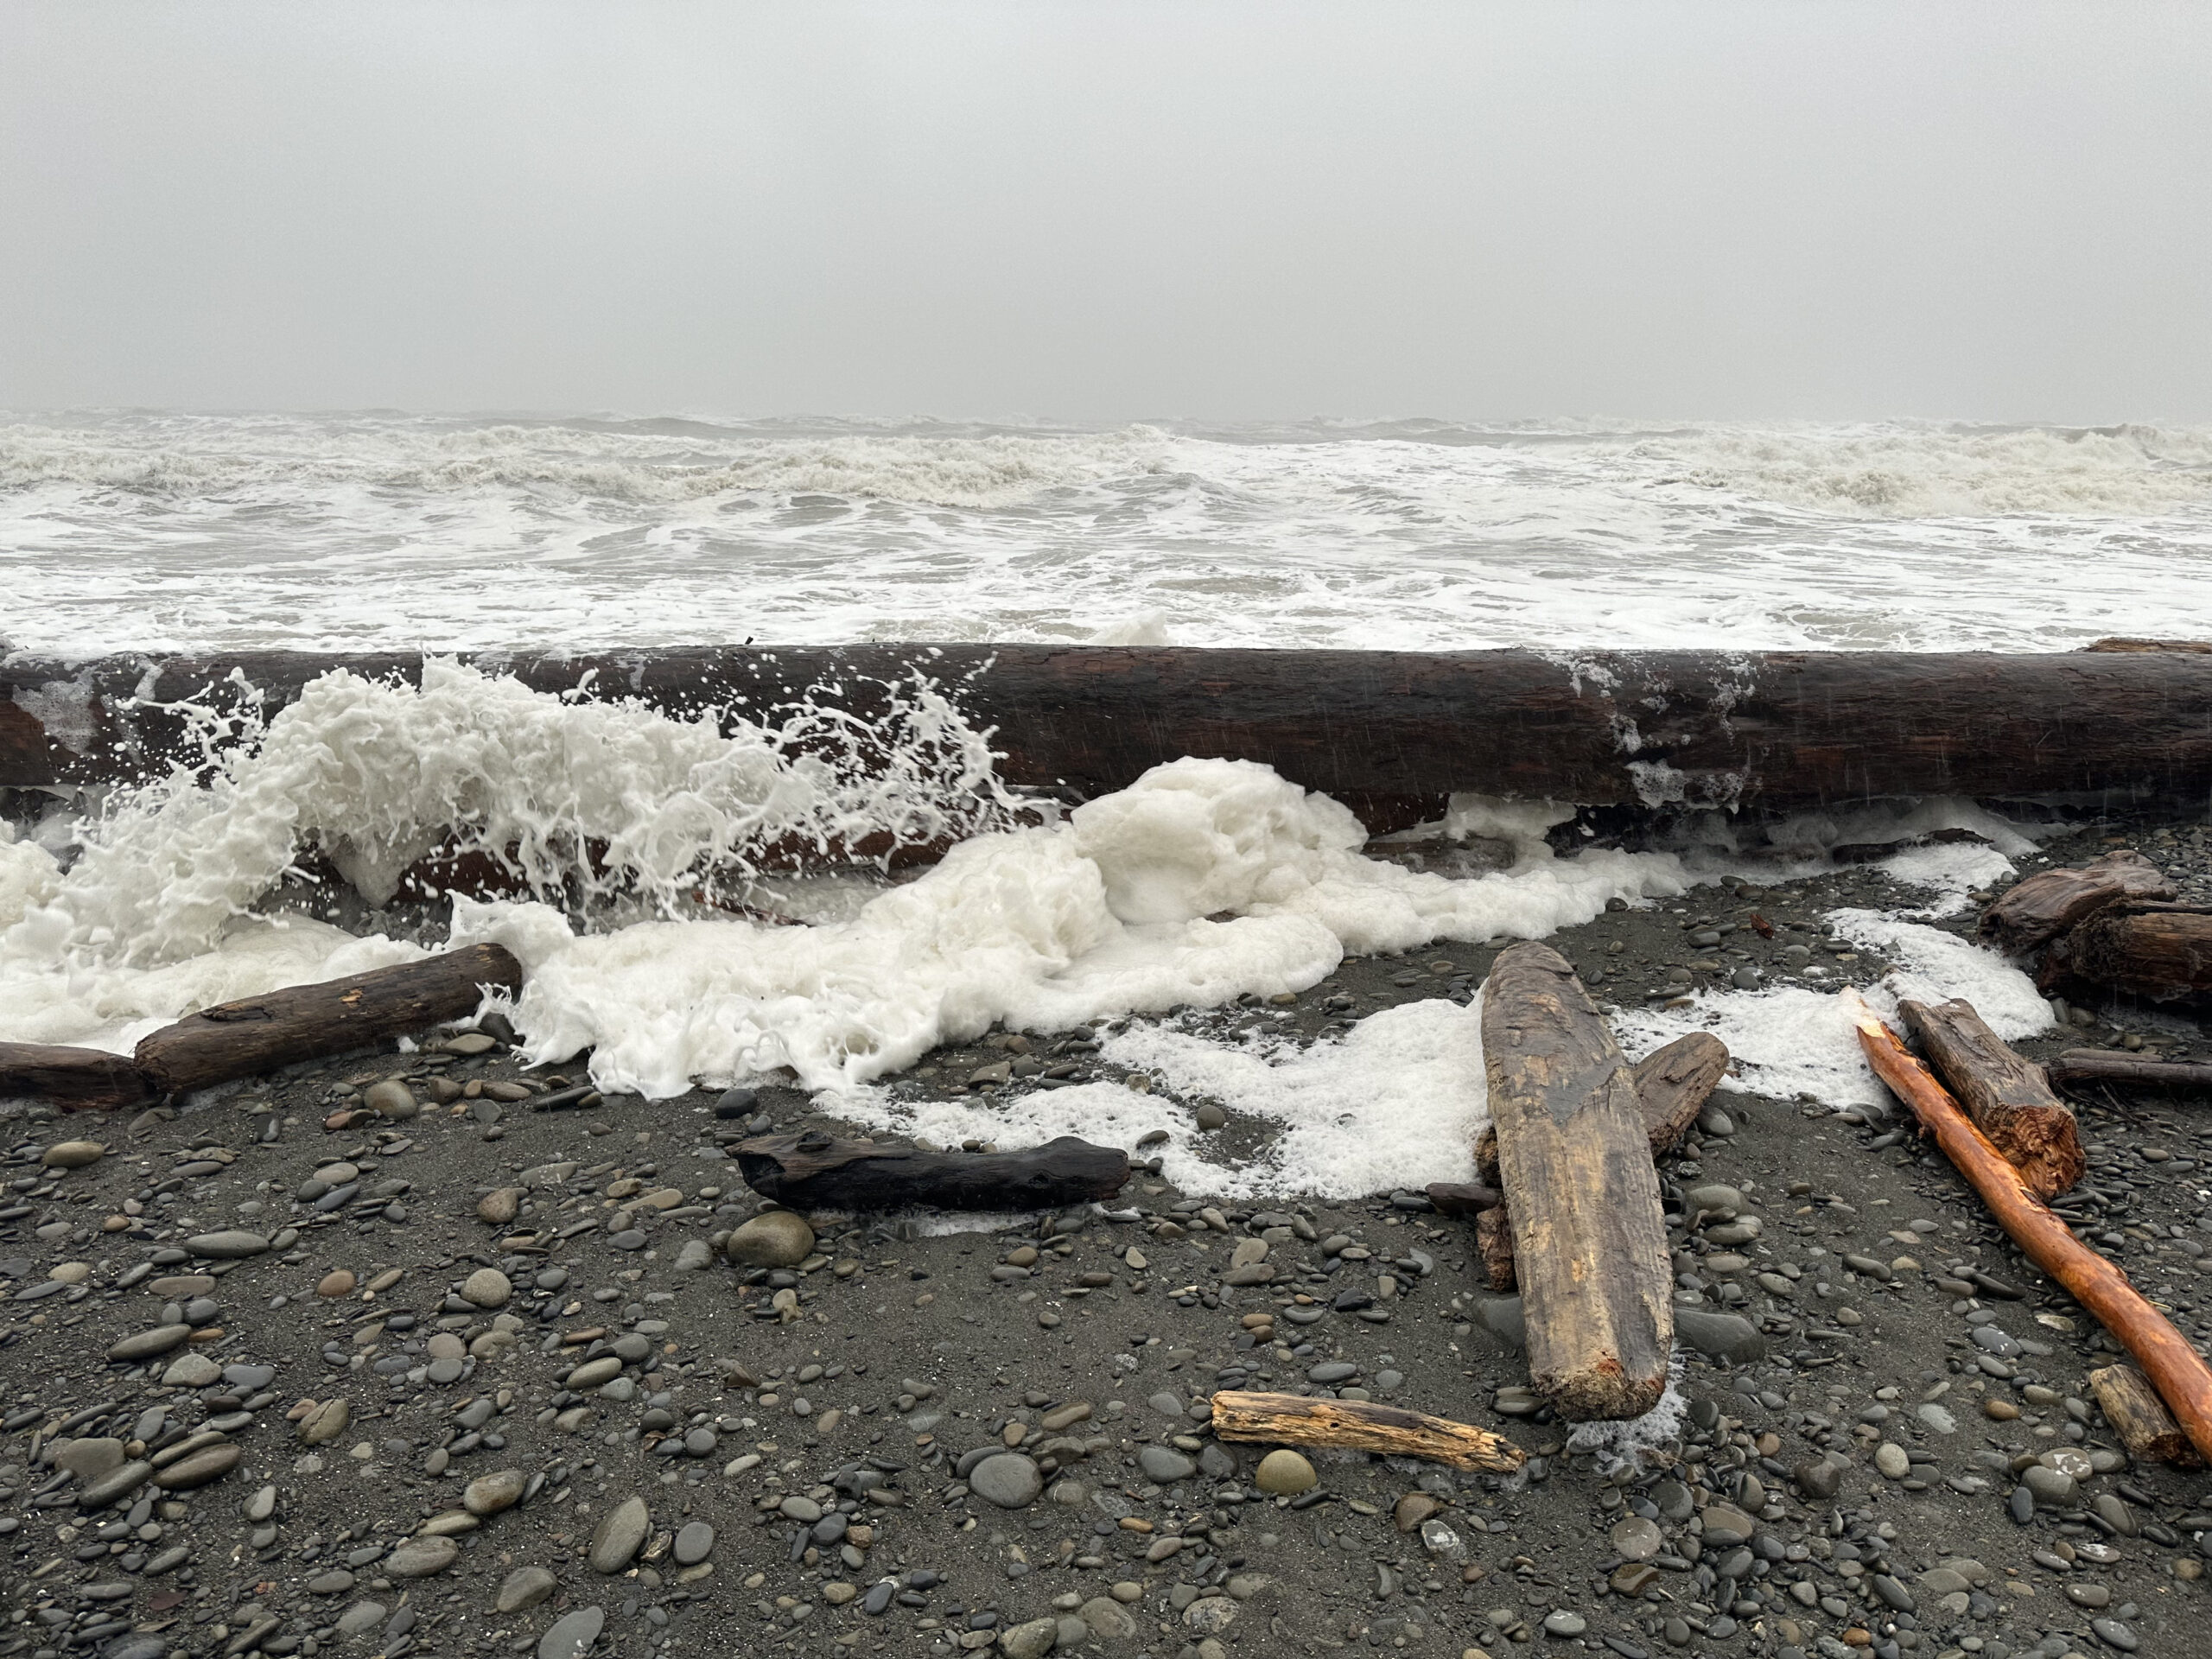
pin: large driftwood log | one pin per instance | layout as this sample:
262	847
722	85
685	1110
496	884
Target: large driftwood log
71	1077
1361	1425
2083	1068
2158	951
1672	1085
2175	1369
2145	1428
1774	730
2009	1098
307	1022
2033	913
812	1171
1575	1160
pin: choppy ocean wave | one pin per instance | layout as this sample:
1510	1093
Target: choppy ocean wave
152	530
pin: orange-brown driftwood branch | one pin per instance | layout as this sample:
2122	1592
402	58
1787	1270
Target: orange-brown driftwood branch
1361	1425
2175	1369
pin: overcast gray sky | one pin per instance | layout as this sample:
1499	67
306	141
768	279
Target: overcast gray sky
1105	210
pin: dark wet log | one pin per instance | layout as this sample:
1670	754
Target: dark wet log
2159	953
812	1171
75	1078
1387	731
2084	1068
2145	1428
2009	1098
2047	904
1574	1162
307	1022
2175	1369
1462	1197
1361	1425
1672	1085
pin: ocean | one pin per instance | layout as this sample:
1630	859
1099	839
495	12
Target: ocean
145	532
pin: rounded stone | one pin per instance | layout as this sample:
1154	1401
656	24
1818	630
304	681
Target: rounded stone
210	1463
150	1344
1164	1467
392	1098
1030	1640
1890	1458
90	1458
778	1239
694	1543
1109	1620
228	1246
325	1422
619	1535
1565	1622
499	1206
1283	1473
420	1558
73	1155
1007	1479
572	1634
1211	1117
115	1485
339	1283
524	1588
486	1287
1637	1539
489	1494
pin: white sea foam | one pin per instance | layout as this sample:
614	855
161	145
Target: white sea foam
147	531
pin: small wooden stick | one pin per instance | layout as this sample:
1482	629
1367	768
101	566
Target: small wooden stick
2145	1428
812	1171
1361	1425
2081	1067
2175	1369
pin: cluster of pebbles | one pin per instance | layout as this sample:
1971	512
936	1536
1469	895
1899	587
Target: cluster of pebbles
436	1353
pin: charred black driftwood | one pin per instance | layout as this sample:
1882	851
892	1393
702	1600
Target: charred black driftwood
814	1170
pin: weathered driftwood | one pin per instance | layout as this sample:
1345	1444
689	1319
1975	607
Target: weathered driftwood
1672	1085
1494	1245
2158	951
1575	1161
306	1022
2145	1428
1385	731
2175	1369
2083	1068
2009	1098
2033	913
71	1077
1361	1425
813	1171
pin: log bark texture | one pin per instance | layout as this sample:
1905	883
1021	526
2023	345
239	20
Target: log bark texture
2084	1068
1672	1085
1494	1245
306	1023
2159	953
76	1077
1361	1425
1574	1162
1776	730
2145	1428
2009	1098
813	1171
2174	1368
2030	913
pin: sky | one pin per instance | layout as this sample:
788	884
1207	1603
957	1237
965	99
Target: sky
1110	212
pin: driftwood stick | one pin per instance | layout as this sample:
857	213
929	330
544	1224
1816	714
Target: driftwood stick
75	1078
2034	911
306	1022
812	1171
2175	1369
2145	1428
1589	1241
2009	1098
1362	1425
2086	1067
